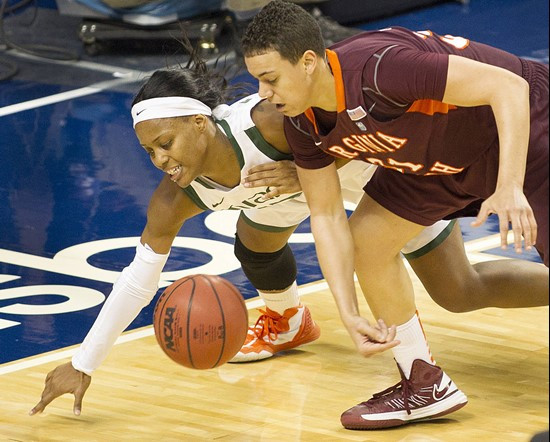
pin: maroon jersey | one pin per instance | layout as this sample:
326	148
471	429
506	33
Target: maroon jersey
439	161
389	88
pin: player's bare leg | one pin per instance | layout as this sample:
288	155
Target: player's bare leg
458	286
424	391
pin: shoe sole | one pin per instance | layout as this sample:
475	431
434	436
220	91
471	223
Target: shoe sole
310	337
388	423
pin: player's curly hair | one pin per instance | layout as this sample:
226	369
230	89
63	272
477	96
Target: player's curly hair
285	28
194	80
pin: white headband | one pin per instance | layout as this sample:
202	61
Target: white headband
168	107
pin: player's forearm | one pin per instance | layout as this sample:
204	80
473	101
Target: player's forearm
334	246
133	290
333	240
511	111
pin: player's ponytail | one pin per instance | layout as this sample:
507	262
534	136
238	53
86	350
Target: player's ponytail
194	80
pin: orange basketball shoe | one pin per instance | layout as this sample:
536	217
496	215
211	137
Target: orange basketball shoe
273	333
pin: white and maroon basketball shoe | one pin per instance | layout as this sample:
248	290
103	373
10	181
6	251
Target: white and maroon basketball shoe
427	394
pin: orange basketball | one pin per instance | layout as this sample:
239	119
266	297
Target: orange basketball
201	321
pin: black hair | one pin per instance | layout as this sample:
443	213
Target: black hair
283	27
194	80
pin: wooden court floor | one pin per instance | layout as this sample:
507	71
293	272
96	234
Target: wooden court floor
499	358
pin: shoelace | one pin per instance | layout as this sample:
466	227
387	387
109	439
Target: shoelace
402	385
270	323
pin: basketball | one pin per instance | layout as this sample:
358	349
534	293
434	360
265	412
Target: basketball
200	321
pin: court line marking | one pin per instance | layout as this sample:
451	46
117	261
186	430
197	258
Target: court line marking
62	96
487	242
108	68
81	64
128	76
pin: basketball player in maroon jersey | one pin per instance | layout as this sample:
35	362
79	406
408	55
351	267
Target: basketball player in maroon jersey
459	128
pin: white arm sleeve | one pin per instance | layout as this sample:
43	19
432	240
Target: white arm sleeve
134	289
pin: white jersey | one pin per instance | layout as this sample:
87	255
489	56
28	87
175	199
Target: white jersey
251	150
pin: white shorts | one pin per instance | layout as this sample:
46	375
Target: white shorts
353	177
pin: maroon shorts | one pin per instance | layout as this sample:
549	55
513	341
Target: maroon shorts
427	199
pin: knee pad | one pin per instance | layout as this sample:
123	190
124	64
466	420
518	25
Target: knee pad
267	271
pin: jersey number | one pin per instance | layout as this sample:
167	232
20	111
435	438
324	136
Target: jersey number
457	42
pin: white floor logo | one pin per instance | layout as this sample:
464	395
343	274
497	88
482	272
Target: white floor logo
73	261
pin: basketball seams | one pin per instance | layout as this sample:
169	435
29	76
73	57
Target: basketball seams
222	312
160	317
237	293
189	310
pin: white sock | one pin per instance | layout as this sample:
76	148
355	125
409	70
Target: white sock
280	301
413	345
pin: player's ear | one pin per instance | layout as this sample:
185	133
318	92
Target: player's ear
309	61
200	122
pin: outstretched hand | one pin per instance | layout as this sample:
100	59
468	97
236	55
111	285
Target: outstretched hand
369	339
512	207
280	177
63	379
